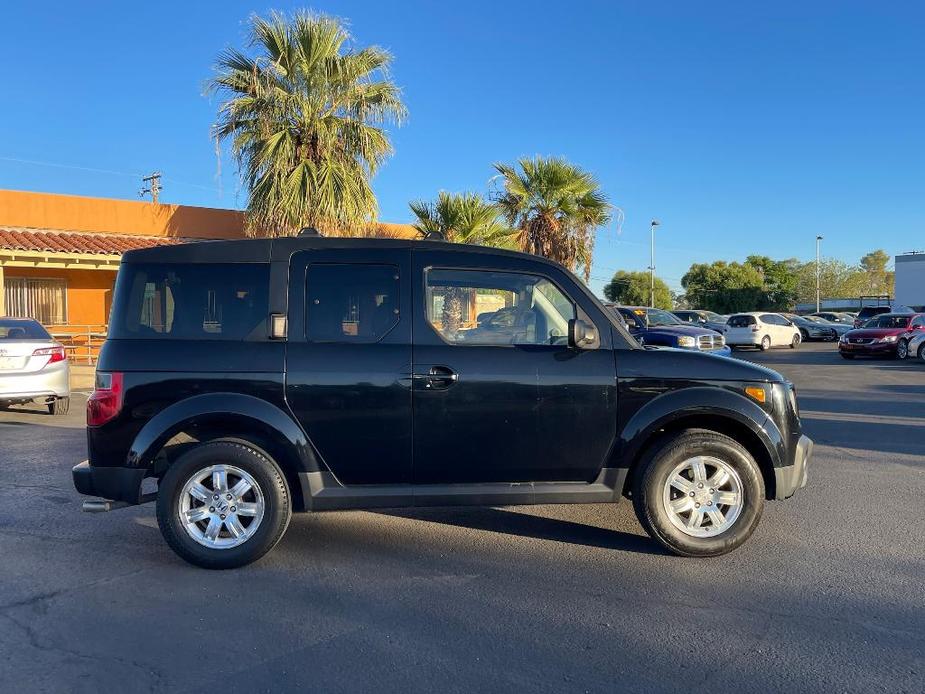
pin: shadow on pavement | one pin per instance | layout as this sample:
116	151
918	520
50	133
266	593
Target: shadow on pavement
538	527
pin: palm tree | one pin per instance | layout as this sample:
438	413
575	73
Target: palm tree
556	208
461	218
304	118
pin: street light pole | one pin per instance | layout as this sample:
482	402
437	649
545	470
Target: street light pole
655	223
818	303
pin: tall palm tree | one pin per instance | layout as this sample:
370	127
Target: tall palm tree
304	117
461	218
556	208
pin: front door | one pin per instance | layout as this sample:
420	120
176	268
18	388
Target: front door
499	396
348	360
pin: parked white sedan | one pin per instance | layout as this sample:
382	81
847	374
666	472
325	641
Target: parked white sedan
33	366
762	330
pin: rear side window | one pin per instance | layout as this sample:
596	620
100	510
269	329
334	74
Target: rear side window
350	302
741	321
206	301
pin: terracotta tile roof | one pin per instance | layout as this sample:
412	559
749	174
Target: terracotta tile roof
77	242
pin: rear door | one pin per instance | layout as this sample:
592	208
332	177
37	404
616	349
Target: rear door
348	360
499	396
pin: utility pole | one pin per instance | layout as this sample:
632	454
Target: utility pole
655	223
152	185
818	302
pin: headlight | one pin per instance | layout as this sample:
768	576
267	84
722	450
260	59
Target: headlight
687	341
843	338
888	338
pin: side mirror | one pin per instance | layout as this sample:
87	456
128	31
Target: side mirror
581	335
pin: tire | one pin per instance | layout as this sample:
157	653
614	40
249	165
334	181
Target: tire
922	351
765	343
847	356
902	350
795	342
269	501
651	486
59	406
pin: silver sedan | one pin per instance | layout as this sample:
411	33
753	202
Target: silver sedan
33	366
917	346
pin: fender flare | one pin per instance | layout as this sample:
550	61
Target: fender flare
675	405
247	410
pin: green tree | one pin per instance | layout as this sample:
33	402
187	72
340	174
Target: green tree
303	115
779	279
724	287
556	208
461	218
879	279
632	289
837	279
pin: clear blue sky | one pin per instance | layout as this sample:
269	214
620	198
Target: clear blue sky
744	127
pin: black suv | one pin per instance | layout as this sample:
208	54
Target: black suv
245	380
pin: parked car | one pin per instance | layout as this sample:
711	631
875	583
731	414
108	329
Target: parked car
812	329
916	346
657	328
762	330
33	366
833	317
839	328
868	312
250	379
887	335
705	319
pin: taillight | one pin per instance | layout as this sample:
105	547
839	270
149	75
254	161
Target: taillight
53	353
106	400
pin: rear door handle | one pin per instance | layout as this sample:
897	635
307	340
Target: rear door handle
438	378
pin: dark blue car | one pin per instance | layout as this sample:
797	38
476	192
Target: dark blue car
655	327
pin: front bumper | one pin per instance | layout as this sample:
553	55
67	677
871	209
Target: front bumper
869	349
115	483
792	477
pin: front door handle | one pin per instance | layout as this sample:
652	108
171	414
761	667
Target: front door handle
438	378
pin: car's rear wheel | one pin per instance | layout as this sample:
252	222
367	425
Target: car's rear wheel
922	351
223	504
59	406
795	342
699	493
902	349
765	343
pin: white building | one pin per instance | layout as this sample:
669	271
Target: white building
910	279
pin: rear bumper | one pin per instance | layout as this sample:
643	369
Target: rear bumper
115	483
792	477
53	381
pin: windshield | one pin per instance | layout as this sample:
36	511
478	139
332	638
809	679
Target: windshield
22	330
658	317
888	322
713	316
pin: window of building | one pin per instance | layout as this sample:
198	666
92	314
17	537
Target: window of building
477	307
220	301
43	299
351	302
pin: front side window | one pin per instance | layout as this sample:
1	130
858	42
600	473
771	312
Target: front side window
350	302
195	301
479	307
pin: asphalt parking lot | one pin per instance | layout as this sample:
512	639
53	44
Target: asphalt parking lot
828	595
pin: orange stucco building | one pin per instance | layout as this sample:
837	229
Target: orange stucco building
59	253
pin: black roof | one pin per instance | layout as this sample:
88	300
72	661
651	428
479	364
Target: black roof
280	249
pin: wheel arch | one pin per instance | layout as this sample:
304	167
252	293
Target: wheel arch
236	416
729	414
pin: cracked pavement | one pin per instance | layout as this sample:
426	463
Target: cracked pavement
826	596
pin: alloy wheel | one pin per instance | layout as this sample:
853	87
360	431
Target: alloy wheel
703	496
902	349
221	506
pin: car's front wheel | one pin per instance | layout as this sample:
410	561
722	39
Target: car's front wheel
795	342
699	493
922	352
223	504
